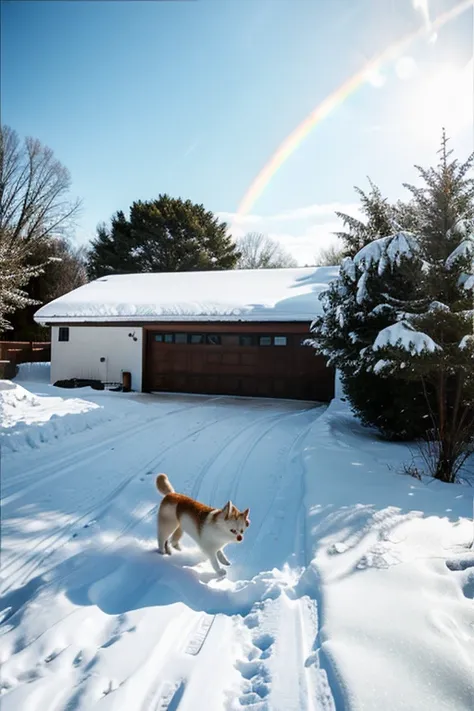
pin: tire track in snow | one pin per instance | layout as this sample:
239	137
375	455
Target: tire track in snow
260	436
70	462
224	444
267	521
309	587
104	504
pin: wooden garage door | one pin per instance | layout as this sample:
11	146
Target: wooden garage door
249	364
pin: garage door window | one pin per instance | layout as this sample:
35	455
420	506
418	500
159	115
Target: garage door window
214	339
247	340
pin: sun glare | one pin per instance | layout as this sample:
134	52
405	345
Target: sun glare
446	100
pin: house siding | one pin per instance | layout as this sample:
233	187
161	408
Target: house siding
79	357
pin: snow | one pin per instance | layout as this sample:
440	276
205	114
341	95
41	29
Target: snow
351	590
387	251
462	227
403	335
464	250
34	372
382	365
466	342
469	283
236	295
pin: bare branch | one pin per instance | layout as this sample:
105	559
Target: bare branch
258	251
34	190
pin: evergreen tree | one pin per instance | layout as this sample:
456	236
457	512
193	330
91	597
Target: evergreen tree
436	325
163	235
347	331
402	312
380	221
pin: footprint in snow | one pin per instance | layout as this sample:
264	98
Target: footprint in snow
251	621
264	641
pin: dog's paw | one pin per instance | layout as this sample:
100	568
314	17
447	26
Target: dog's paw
177	547
221	572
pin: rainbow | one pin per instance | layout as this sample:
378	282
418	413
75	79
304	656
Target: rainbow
331	102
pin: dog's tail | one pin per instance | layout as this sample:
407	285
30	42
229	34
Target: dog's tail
163	485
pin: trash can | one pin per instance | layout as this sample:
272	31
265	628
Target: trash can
126	381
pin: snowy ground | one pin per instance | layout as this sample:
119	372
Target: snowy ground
352	590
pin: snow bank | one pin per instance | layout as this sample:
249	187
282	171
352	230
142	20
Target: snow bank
33	372
236	295
28	420
390	571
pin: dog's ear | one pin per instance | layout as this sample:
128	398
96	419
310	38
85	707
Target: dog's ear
245	515
227	510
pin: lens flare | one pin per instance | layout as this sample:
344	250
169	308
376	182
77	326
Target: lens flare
332	102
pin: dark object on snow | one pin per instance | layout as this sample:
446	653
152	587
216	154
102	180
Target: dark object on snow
79	383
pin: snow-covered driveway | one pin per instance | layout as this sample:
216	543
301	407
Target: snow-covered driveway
351	592
90	608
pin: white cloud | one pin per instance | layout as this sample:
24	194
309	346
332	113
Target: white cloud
305	246
299	213
302	241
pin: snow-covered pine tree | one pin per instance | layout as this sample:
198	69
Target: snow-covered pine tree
432	339
353	316
379	216
402	312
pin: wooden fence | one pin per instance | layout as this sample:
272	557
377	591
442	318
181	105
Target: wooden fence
25	352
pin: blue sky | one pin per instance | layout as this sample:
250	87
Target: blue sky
193	97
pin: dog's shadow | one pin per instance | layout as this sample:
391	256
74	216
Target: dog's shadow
136	576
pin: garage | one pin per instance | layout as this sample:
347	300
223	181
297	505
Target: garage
237	332
252	361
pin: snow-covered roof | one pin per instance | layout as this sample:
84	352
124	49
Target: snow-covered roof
236	295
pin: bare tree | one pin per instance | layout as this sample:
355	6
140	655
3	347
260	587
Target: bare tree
34	190
330	256
258	251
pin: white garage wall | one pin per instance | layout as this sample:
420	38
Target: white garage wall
80	356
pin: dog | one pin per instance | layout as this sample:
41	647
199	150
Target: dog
211	529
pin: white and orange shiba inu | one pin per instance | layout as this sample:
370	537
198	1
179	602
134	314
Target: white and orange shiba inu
211	529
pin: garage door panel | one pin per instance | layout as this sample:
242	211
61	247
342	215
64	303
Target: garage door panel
213	358
235	368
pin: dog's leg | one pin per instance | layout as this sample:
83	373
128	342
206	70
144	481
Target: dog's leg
215	562
167	524
222	558
176	537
